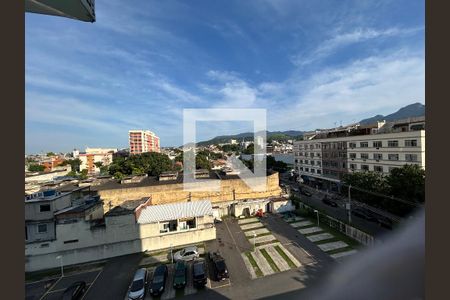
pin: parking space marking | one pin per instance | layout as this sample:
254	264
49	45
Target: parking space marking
45	294
91	284
221	286
189	289
169	291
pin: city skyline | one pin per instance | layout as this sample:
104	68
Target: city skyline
139	66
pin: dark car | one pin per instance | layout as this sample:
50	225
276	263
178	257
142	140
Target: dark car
384	222
199	273
179	277
74	291
306	193
362	213
329	202
219	267
159	280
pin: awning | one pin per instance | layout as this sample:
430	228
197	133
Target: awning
83	10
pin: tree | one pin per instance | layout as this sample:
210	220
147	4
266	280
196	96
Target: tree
407	183
74	163
151	163
250	149
83	174
275	165
98	164
36	168
50	154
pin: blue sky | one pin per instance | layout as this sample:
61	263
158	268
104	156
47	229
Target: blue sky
309	63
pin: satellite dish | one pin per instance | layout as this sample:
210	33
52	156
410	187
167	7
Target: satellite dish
83	10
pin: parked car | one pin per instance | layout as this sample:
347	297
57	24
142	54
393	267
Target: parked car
219	267
306	193
74	291
159	280
329	202
384	222
186	254
362	213
137	287
199	273
179	277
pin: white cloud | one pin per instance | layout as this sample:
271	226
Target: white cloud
340	40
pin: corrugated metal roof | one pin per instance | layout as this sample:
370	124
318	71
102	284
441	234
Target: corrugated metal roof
166	212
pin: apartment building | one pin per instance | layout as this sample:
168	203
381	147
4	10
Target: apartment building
142	141
325	156
93	155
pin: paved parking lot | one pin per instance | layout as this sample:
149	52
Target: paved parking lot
56	287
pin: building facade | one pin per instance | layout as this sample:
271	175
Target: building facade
142	141
323	158
88	160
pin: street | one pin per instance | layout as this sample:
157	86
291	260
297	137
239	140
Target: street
339	212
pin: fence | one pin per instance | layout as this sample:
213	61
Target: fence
350	231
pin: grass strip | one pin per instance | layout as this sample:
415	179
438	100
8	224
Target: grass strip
266	243
285	257
258	271
270	260
339	250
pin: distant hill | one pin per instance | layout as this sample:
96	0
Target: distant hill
247	136
412	110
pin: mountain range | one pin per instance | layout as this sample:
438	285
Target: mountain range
412	110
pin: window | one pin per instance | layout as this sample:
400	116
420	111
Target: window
42	228
313	171
301	168
44	207
26	233
392	143
318	171
353	167
393	156
312	163
307	169
377	144
70	241
364	144
352	155
352	145
311	154
364	156
378	156
365	167
410	143
378	168
318	163
411	157
46	245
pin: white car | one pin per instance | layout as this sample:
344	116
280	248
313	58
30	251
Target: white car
188	253
136	290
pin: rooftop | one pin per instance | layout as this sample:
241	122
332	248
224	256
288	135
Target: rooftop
127	207
173	211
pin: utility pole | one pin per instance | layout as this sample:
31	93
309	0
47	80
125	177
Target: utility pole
349	205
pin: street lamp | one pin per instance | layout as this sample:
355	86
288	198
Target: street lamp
254	240
317	213
62	268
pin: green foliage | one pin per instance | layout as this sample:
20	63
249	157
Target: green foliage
74	163
36	168
407	183
151	163
278	166
83	174
230	147
50	154
250	149
98	164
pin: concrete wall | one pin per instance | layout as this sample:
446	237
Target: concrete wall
33	234
282	206
162	194
120	236
32	209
